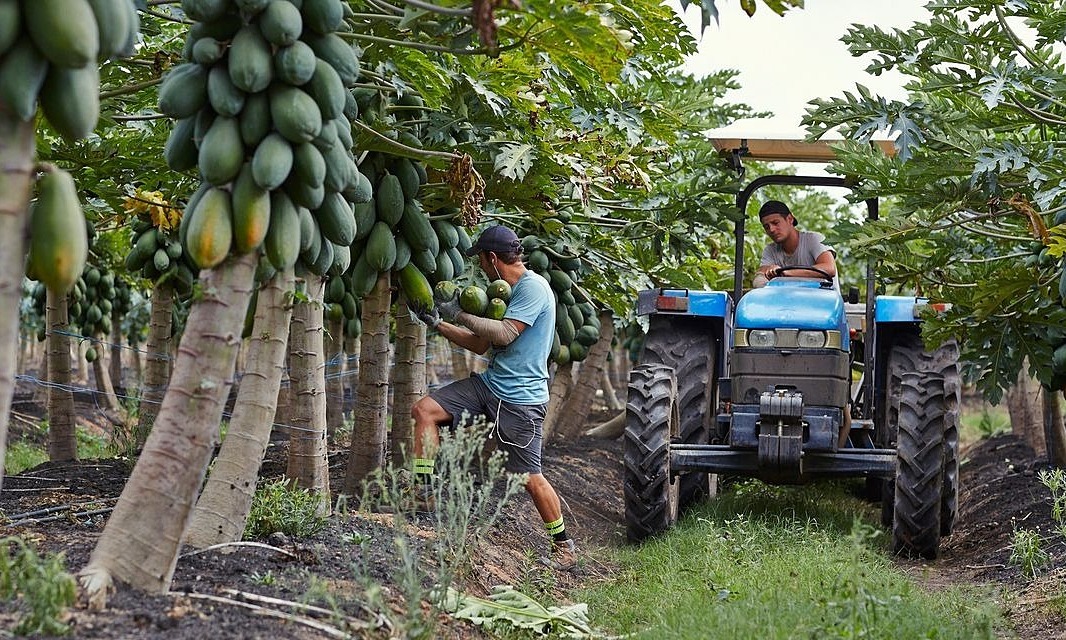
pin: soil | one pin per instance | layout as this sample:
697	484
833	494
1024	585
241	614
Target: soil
1000	491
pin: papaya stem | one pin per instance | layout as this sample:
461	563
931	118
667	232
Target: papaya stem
428	6
386	6
419	153
376	16
480	51
130	88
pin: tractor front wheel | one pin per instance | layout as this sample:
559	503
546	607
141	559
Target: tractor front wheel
651	494
916	521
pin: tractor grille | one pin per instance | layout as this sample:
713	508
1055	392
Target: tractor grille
821	375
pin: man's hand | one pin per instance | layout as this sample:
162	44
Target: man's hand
449	310
428	316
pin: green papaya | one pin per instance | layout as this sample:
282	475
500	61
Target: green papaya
112	26
272	161
281	23
10	24
303	194
70	99
250	62
328	91
295	114
22	73
223	96
184	90
322	16
342	259
417	230
180	150
64	31
380	247
255	117
308	164
473	300
208	51
58	244
364	218
336	220
322	262
308	229
205	10
294	64
404	169
390	202
361	191
445	269
416	287
282	242
403	253
338	54
221	152
446	233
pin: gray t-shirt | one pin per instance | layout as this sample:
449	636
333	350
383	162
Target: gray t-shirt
811	245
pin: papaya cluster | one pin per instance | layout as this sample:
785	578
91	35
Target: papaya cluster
156	253
263	111
490	302
95	295
342	303
577	323
395	233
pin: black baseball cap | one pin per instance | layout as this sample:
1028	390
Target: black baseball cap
498	239
771	207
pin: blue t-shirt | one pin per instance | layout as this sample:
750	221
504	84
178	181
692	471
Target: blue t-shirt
518	373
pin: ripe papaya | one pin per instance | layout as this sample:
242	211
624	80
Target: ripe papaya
210	233
338	54
328	91
64	31
281	23
272	161
335	219
22	72
282	242
184	90
322	16
70	99
58	244
225	98
251	212
416	287
250	63
180	150
255	117
380	247
294	64
295	114
221	152
10	24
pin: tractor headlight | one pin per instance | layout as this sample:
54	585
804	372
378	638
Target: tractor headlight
811	339
761	338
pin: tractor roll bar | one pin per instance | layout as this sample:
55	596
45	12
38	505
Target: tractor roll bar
810	181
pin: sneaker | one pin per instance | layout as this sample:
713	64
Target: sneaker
563	556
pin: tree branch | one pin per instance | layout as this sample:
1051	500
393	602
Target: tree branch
130	88
427	6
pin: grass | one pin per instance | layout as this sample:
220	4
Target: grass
766	562
25	454
988	422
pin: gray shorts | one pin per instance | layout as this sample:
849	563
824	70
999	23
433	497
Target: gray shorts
517	426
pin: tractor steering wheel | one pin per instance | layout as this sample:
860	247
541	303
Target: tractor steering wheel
826	276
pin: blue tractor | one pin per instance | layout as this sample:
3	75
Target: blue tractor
756	383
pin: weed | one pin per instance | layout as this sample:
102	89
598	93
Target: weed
91	446
356	537
281	506
23	455
990	423
42	583
1055	481
266	578
1027	553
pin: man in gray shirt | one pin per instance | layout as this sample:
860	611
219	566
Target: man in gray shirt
791	247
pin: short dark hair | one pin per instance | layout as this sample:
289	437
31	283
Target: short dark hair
770	207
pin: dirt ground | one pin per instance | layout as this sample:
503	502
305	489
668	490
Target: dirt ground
1000	490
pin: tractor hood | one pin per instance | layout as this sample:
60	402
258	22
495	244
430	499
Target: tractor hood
791	303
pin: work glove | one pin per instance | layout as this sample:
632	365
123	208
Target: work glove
450	309
429	316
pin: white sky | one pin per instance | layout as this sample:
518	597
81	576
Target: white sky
786	61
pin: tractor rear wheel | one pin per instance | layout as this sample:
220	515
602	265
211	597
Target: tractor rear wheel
651	497
920	467
689	349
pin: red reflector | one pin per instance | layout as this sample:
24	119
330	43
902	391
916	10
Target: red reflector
671	303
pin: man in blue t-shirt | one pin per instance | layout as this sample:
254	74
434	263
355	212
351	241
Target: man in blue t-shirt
513	393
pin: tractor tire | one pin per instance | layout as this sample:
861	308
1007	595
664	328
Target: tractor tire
920	467
907	355
690	351
651	495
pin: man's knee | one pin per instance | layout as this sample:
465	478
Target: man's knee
428	411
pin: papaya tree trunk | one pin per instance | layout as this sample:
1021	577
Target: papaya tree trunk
308	461
222	510
62	433
610	394
334	350
114	363
408	381
561	384
1054	429
102	377
575	410
352	346
16	176
1025	406
157	359
139	545
610	429
367	452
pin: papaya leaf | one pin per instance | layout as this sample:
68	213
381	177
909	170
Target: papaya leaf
514	160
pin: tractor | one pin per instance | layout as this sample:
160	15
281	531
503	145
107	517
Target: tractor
757	383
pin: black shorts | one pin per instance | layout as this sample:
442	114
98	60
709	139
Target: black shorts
517	427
